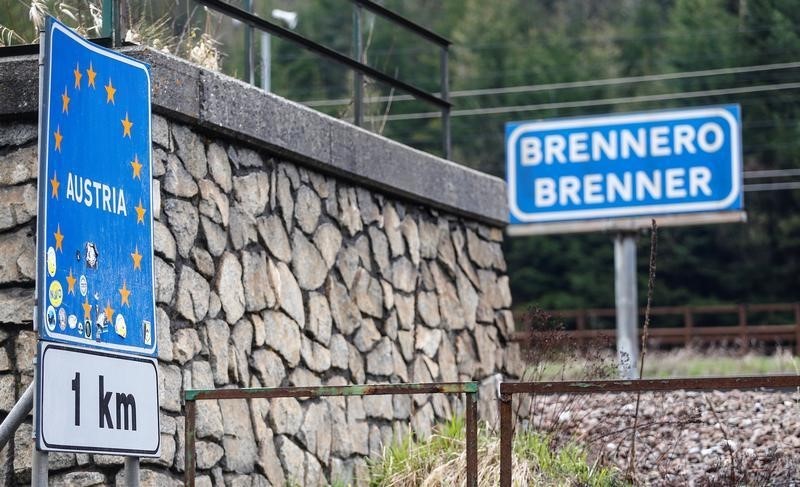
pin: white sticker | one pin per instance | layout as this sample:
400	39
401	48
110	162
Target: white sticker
51	261
72	320
84	286
119	326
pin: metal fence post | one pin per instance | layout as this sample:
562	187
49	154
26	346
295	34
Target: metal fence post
250	61
358	77
506	438
189	442
445	89
472	438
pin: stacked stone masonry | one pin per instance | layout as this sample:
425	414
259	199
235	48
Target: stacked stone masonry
269	274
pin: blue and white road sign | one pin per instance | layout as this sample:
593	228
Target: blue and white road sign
631	165
95	229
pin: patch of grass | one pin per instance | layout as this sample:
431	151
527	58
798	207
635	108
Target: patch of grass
441	460
676	363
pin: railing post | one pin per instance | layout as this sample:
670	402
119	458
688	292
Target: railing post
797	328
358	77
250	61
110	26
472	438
189	442
506	439
743	327
688	324
445	89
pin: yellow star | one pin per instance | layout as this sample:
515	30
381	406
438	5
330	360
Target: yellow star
65	102
54	182
78	76
59	239
109	311
137	258
110	91
126	126
87	309
137	167
140	212
58	137
91	73
125	294
71	283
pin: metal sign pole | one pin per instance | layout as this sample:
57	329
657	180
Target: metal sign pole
131	471
39	462
626	303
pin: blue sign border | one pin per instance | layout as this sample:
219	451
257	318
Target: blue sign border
515	130
45	93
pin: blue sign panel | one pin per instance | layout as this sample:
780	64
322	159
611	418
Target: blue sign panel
631	165
95	248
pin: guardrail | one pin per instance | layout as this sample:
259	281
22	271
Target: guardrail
744	330
508	389
469	389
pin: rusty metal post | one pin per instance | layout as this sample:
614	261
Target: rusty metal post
471	399
189	442
688	324
506	438
743	327
797	328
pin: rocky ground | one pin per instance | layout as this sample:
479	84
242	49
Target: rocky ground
685	438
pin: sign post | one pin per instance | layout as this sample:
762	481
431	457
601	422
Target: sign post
96	375
615	173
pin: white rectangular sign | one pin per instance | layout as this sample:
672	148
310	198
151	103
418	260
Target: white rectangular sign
97	402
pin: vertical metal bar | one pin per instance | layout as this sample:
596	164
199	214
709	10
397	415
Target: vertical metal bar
743	327
797	328
506	439
472	438
688	324
445	89
358	78
266	61
581	326
626	303
189	440
110	26
40	458
131	471
249	67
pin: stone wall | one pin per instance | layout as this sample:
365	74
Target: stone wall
275	269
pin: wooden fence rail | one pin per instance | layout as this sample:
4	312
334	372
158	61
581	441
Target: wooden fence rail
744	331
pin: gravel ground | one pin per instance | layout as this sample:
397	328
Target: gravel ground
686	438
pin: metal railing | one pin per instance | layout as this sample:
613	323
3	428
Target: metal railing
469	389
744	330
509	389
112	36
357	61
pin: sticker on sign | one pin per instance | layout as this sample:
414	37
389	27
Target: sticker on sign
631	165
97	402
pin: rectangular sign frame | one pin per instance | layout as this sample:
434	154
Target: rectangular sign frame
69	415
616	215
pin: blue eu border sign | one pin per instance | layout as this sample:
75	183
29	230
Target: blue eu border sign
629	166
95	266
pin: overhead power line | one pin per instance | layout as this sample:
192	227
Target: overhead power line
572	84
591	103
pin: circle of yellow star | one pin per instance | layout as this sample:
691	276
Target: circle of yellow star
57	135
137	167
55	183
109	311
65	102
78	76
137	258
59	239
87	309
126	126
110	91
124	294
140	211
71	283
91	73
